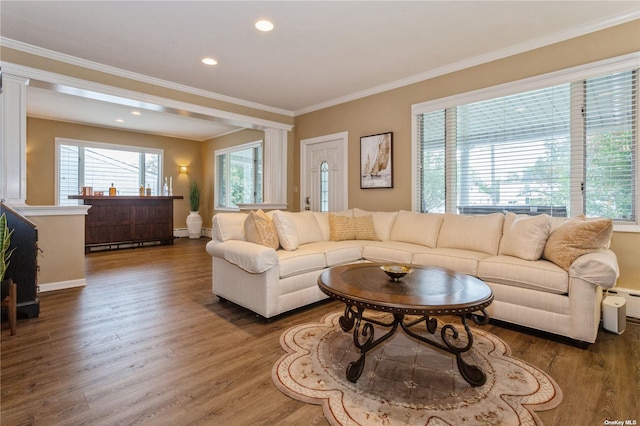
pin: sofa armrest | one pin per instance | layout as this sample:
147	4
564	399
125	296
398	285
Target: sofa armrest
253	258
599	268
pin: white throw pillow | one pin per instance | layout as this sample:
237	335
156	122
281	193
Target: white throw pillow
286	230
417	228
525	236
295	228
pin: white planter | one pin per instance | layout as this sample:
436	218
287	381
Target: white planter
194	225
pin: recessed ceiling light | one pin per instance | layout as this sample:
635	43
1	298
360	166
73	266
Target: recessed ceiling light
119	120
136	113
209	61
264	25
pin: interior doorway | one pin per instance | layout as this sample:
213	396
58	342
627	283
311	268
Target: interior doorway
323	173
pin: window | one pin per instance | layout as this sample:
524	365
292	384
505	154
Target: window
239	175
564	150
98	165
324	186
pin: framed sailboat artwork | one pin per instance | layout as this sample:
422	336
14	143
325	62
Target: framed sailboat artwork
376	161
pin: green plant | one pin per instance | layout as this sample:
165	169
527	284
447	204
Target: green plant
194	196
5	242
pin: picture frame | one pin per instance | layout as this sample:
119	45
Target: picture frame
376	161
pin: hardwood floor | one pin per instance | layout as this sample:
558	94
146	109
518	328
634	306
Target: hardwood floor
147	342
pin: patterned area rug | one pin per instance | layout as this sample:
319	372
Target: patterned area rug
409	382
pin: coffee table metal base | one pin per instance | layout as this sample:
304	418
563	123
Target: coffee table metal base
364	340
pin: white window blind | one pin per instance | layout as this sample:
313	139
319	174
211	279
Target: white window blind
84	163
611	127
563	150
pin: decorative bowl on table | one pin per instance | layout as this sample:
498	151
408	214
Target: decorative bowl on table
395	272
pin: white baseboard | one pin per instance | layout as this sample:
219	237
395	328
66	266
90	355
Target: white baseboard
180	232
632	298
61	285
184	232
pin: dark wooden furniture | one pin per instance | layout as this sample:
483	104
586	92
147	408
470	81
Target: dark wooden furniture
11	303
425	293
124	220
23	266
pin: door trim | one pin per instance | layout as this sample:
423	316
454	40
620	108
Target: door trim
304	146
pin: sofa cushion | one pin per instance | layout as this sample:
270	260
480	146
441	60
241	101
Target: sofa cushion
464	261
300	261
525	236
538	274
259	229
576	237
337	253
417	228
229	226
475	233
382	222
389	251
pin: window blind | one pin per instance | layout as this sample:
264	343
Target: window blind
514	151
84	163
564	150
611	134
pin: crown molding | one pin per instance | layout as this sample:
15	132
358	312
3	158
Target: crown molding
75	86
478	60
95	66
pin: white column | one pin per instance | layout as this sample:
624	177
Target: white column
275	167
13	139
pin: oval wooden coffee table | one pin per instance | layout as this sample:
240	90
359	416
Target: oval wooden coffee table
426	293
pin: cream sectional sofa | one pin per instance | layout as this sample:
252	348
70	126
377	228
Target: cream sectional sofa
509	252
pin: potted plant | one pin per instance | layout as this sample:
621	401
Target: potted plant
5	254
194	221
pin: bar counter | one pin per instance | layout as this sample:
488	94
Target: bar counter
122	220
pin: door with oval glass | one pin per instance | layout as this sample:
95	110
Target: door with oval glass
323	173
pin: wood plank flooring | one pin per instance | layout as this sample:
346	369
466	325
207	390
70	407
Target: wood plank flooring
146	342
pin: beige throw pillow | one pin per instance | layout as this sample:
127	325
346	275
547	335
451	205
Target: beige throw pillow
576	237
364	228
259	229
525	236
341	228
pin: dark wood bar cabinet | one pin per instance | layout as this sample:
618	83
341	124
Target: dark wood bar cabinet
117	221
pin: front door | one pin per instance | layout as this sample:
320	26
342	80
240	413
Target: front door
323	173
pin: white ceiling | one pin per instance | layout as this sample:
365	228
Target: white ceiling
319	54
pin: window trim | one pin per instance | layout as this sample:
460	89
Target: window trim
223	151
102	145
569	75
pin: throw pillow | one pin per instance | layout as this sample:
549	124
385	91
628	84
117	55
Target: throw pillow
576	237
341	228
286	230
525	236
259	229
364	229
